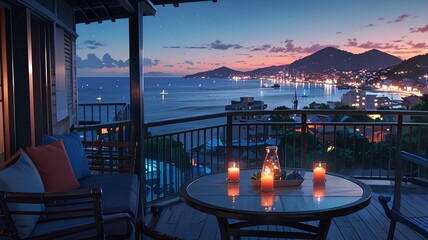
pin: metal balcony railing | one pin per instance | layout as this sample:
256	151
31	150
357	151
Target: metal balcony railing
99	113
351	143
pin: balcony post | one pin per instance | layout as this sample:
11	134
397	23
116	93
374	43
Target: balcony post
303	141
136	78
397	188
228	140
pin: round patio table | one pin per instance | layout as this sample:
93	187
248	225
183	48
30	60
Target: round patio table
285	206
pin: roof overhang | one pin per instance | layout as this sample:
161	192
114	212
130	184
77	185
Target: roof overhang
87	11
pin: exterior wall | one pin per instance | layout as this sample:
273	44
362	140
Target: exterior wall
42	70
359	99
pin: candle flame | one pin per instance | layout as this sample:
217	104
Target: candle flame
320	165
234	164
267	170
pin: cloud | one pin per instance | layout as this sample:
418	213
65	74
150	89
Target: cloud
173	47
92	44
400	18
417	45
419	29
150	63
196	47
188	62
291	48
262	48
92	61
381	19
353	42
168	65
339	33
369	25
217	44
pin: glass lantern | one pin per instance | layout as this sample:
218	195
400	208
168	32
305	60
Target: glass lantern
271	162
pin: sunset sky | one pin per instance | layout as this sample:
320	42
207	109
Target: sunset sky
249	34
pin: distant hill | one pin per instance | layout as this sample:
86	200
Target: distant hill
322	60
223	72
157	74
411	68
267	71
331	57
318	62
373	59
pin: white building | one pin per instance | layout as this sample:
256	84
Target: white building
360	100
245	129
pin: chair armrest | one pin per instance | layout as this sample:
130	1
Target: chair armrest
110	157
413	158
85	203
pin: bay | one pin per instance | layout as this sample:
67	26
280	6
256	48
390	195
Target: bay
193	97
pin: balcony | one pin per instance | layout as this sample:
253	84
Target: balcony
178	150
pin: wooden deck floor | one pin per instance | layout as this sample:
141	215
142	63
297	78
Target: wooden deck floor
370	223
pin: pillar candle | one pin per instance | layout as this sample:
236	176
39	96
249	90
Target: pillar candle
266	184
233	173
319	171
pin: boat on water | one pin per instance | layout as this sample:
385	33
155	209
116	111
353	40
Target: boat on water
163	92
98	99
276	85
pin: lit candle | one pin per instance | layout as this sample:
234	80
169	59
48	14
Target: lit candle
233	173
319	172
266	184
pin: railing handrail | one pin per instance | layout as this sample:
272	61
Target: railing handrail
285	112
103	104
104	125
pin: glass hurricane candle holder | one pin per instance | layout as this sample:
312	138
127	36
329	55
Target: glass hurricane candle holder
233	172
272	161
319	168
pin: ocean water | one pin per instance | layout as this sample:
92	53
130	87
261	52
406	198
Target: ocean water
192	97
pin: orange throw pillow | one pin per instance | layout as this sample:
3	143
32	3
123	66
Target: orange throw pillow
54	167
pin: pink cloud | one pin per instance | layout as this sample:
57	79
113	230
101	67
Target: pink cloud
291	48
419	29
418	45
400	18
353	42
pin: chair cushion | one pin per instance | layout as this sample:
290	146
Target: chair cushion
22	177
76	154
54	167
120	191
115	225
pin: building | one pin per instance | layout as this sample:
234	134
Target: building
410	101
359	99
383	102
256	133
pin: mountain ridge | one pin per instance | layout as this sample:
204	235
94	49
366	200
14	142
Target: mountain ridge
318	62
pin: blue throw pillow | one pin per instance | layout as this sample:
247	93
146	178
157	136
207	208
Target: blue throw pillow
22	177
76	154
